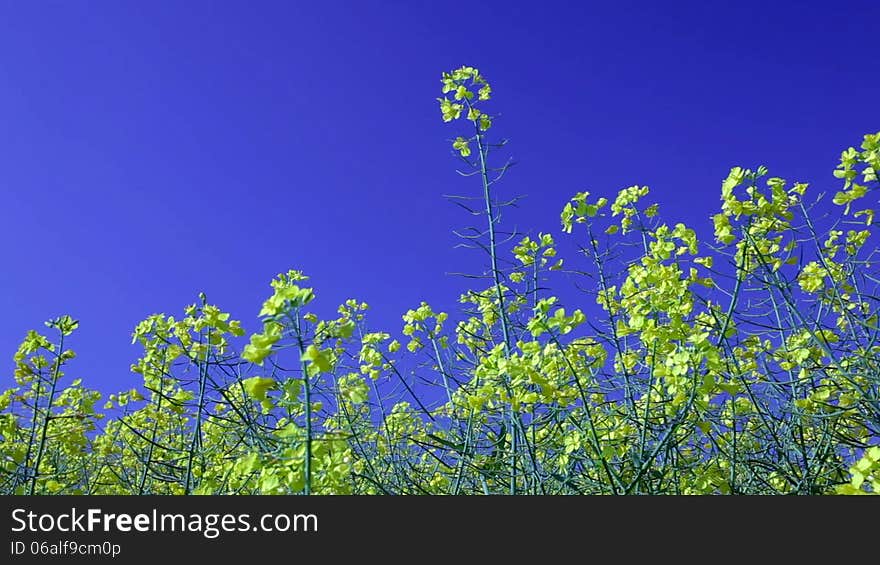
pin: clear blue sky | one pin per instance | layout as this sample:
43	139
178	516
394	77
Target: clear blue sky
152	150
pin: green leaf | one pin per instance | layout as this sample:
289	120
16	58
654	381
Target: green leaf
319	358
450	110
461	144
257	387
734	179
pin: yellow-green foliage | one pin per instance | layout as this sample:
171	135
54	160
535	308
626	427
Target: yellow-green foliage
744	363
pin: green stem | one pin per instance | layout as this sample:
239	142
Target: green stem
55	373
496	277
307	398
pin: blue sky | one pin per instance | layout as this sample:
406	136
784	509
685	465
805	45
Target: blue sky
154	150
